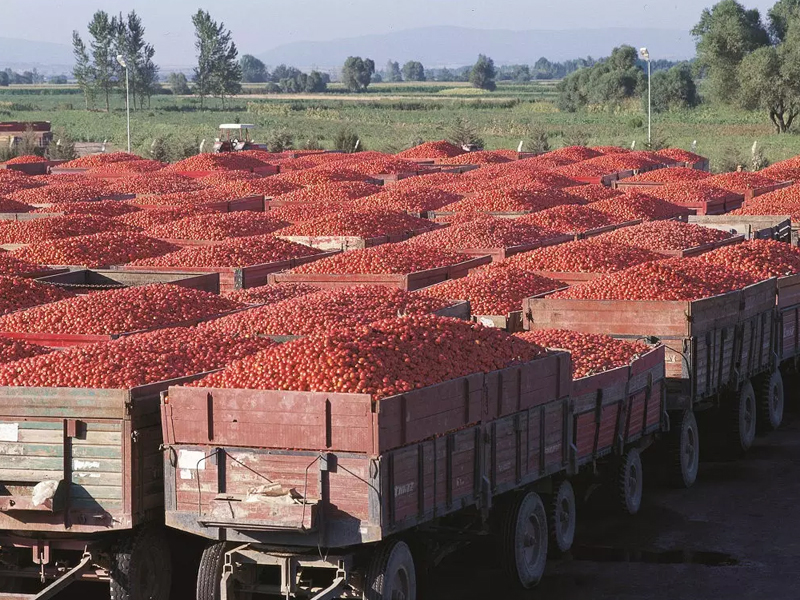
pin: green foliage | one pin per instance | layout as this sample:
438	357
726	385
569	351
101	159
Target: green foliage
313	142
725	34
217	73
178	84
4	79
253	70
138	55
673	89
62	147
758	159
483	74
607	83
538	141
103	70
464	133
159	150
780	16
413	71
347	140
357	73
83	71
280	140
392	72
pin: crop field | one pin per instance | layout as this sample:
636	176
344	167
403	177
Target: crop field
392	117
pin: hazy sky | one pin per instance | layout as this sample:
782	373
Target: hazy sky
258	25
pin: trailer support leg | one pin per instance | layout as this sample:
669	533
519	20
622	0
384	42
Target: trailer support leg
66	579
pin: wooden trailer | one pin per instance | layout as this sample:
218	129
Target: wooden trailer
82	491
333	492
718	350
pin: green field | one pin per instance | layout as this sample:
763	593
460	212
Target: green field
391	117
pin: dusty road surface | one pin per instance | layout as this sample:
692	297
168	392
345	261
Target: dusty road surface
734	536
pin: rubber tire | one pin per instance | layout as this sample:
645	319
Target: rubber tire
770	400
391	557
525	506
561	518
630	478
142	566
682	465
742	411
209	575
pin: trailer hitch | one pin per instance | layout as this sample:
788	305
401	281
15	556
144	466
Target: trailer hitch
65	580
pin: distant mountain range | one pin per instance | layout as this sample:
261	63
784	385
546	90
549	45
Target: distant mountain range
458	46
433	46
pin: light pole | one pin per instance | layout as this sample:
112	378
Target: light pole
645	54
124	65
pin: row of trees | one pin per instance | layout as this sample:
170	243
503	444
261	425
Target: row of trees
413	70
283	78
97	70
752	63
621	77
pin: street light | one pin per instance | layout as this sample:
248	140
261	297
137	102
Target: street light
645	54
124	65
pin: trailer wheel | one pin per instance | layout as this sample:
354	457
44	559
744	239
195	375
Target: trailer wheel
391	574
142	566
561	518
770	402
523	540
630	482
742	420
683	449
209	575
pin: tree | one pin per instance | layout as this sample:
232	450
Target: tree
464	133
725	34
483	73
392	73
83	71
138	55
57	80
357	73
4	79
253	70
608	82
413	71
217	73
178	84
316	84
769	79
780	15
673	89
104	70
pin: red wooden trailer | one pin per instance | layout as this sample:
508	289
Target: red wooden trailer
333	491
719	351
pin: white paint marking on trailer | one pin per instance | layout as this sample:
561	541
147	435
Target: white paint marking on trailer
192	459
85	465
9	432
12	450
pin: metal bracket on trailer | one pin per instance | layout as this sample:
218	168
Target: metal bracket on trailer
58	585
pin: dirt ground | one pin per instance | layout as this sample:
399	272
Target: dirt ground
734	535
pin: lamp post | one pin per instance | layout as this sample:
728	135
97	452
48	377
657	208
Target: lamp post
124	65
645	54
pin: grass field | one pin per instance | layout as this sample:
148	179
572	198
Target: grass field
391	117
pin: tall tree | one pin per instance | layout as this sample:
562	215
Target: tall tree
725	34
102	31
392	73
673	89
780	15
483	73
83	70
253	70
413	71
138	55
357	73
218	72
